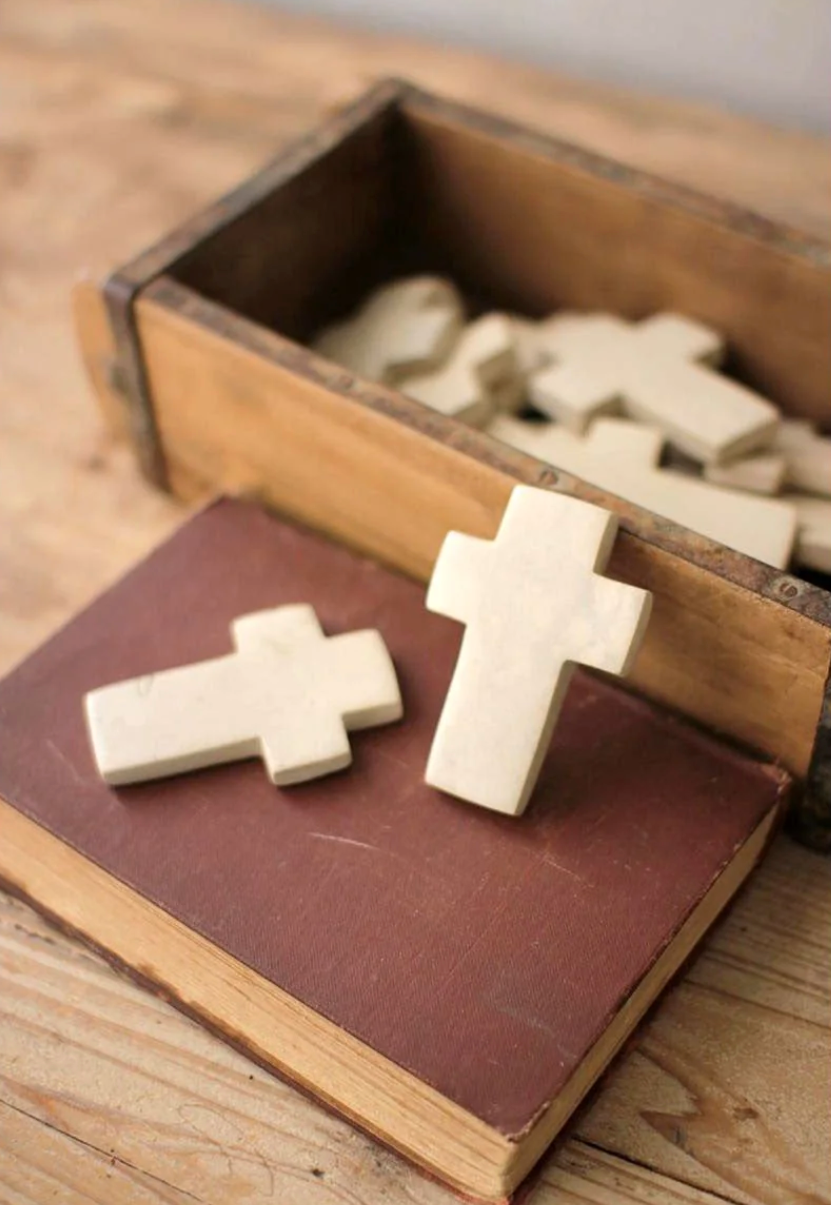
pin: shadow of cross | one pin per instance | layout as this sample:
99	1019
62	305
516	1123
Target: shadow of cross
534	605
288	694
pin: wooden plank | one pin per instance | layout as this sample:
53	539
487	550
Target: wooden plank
86	1053
248	1011
84	1038
696	1076
241	407
52	1166
260	75
224	1120
47	1165
582	1175
774	949
286	1035
761	990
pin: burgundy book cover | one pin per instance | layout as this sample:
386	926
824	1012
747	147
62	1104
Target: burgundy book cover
483	953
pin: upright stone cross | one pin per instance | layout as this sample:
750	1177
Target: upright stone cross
534	605
287	694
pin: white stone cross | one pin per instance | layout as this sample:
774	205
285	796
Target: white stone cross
407	326
469	384
534	605
287	694
760	527
658	370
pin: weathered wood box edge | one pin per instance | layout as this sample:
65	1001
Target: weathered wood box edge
196	352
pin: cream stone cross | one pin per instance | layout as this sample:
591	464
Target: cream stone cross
468	384
760	527
534	605
407	326
658	370
287	694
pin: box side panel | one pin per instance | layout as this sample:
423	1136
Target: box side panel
310	247
534	224
250	412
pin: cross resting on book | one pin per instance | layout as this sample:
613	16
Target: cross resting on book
534	605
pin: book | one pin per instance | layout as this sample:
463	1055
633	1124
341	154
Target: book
450	979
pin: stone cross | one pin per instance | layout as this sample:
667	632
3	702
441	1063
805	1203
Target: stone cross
405	327
475	376
287	694
759	527
658	370
534	605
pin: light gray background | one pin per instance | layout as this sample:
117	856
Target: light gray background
771	58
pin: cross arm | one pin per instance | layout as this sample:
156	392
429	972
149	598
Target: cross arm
277	628
574	391
621	613
364	682
459	575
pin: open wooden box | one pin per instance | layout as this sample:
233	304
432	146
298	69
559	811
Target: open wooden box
196	351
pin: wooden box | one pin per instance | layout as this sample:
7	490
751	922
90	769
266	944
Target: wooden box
196	350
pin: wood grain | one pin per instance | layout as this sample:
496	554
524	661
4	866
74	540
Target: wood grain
696	1077
118	120
83	1038
48	1165
56	1167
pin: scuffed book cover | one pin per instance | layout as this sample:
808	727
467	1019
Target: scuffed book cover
485	955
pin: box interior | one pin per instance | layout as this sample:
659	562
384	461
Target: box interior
524	226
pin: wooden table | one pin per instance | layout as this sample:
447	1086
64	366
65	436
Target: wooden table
117	119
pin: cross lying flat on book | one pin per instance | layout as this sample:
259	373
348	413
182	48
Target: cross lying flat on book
534	605
288	694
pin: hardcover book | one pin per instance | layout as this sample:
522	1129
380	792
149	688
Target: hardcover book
451	979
